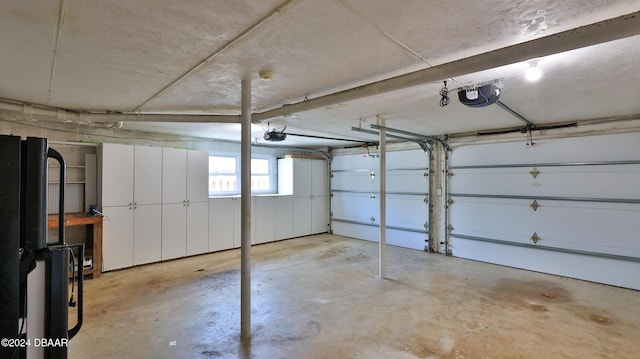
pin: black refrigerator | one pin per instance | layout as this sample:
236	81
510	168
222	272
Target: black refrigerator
34	272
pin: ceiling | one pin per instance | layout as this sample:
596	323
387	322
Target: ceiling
189	57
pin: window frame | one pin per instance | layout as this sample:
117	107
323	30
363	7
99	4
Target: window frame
271	174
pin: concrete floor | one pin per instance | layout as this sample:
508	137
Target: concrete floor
318	297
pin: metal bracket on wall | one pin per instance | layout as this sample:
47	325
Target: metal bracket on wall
426	200
534	205
450	228
372	219
534	172
450	201
535	238
426	174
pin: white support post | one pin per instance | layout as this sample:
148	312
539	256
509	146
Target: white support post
383	200
245	212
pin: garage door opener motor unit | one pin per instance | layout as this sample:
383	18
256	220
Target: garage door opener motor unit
480	95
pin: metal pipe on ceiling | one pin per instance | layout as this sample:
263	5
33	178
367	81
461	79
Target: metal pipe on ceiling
46	113
588	35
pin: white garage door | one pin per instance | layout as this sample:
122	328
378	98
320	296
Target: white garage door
355	193
565	206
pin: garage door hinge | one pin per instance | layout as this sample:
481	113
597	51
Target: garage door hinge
372	219
426	200
450	228
373	196
534	205
450	201
535	238
331	174
534	172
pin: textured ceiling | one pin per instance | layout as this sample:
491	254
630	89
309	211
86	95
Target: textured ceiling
188	57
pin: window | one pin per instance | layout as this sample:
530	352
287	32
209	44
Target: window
260	175
224	175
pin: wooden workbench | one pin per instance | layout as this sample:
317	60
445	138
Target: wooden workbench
81	219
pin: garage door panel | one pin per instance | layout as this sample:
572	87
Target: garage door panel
361	181
615	147
354	162
606	181
406	239
407	159
407	211
586	214
354	206
358	231
407	181
598	269
496	218
569	225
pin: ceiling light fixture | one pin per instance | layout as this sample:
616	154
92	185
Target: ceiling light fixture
533	73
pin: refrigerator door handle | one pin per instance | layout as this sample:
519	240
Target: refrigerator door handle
63	169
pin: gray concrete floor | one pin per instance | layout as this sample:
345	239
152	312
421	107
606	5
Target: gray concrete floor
318	297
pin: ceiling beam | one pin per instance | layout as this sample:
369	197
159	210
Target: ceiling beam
217	52
588	35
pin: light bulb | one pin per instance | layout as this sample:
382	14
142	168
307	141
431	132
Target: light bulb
534	73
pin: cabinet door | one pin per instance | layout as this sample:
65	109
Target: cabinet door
301	177
174	175
117	175
117	238
197	228
283	209
221	226
197	176
265	218
319	214
319	178
147	234
174	230
148	175
301	216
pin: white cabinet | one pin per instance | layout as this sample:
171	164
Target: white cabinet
197	228
185	202
283	206
147	234
155	202
221	223
307	180
301	216
117	238
225	223
265	219
131	197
